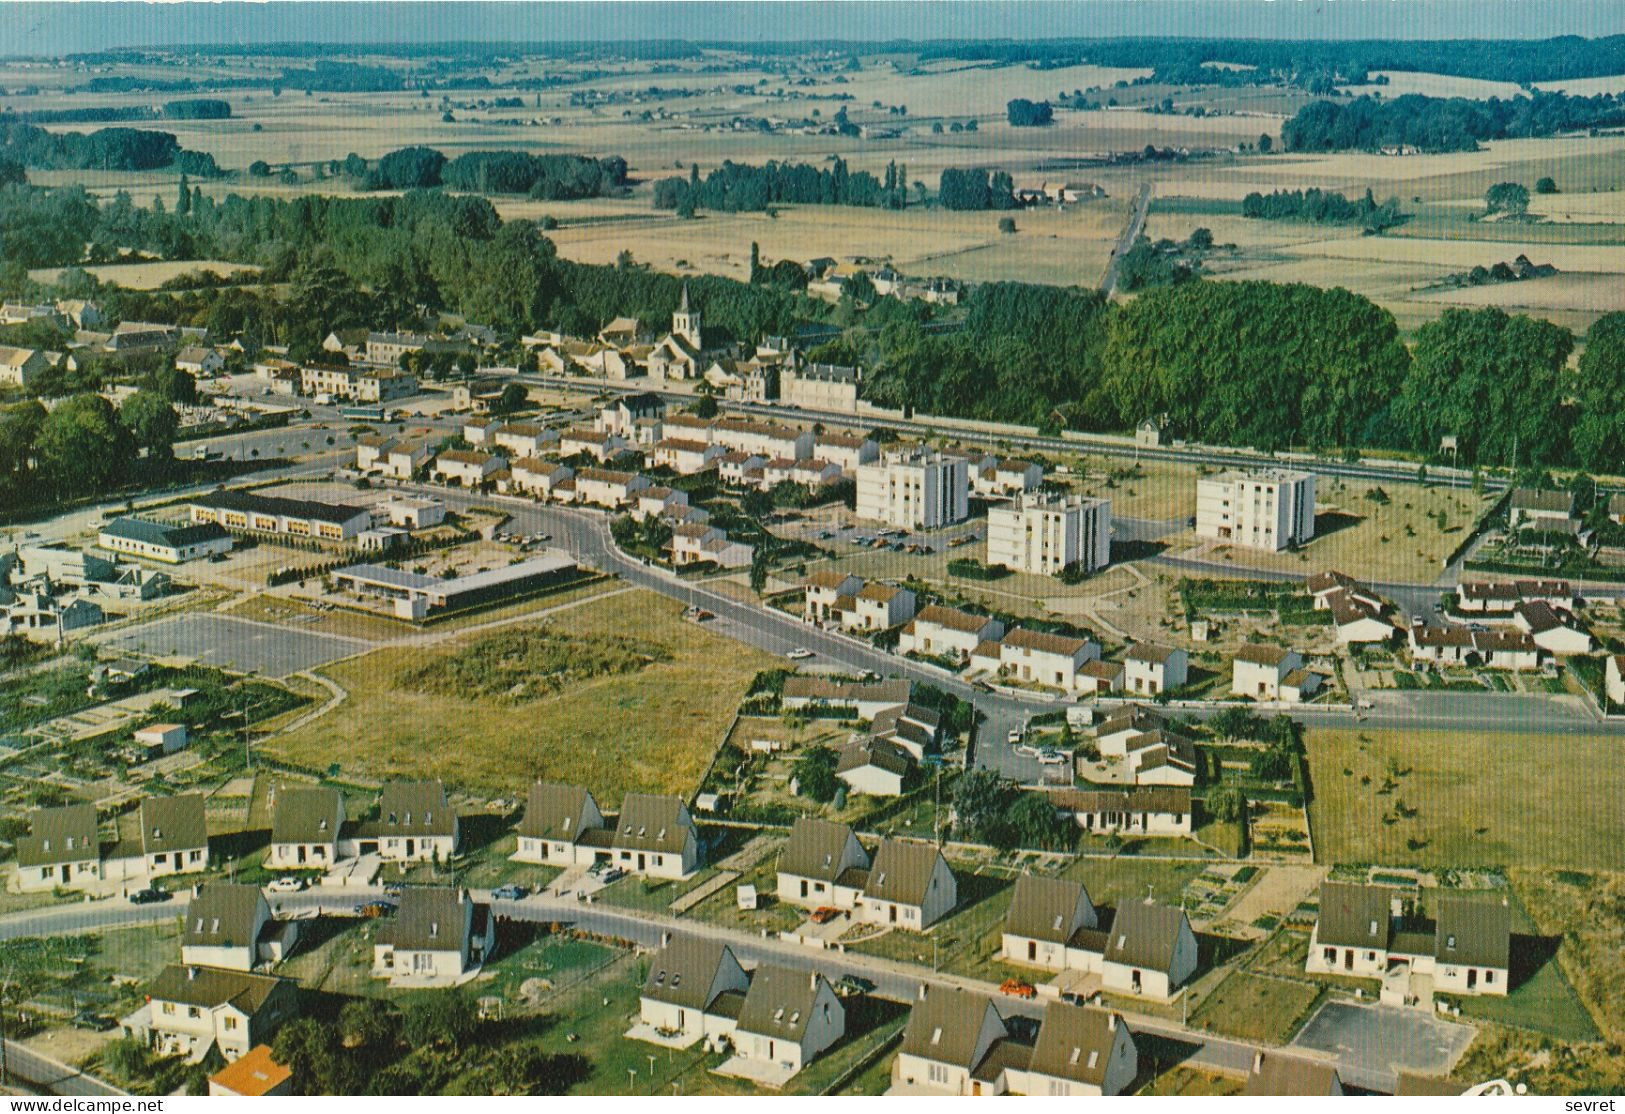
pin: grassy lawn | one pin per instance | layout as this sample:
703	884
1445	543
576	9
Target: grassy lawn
1182	1080
1584	910
654	730
654	894
556	962
966	942
1512	799
770	914
1254	1007
1114	881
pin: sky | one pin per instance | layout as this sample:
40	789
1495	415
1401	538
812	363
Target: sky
30	27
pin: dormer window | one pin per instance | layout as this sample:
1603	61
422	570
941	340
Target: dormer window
567	821
1094	1057
392	818
936	1035
1450	943
157	833
778	1014
1073	1059
434	929
1056	926
1373	928
676	980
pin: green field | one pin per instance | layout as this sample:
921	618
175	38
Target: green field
1512	798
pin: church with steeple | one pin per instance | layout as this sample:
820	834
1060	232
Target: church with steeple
681	353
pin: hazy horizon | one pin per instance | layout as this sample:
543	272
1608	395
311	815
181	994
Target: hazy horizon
35	28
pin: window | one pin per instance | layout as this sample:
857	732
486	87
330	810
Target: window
193	1011
169	1007
230	1024
938	1073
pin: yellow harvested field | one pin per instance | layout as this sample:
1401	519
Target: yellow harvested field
1065	247
147	276
1528	157
1462	254
1599	207
1575	292
654	730
959	89
1401	82
1585	86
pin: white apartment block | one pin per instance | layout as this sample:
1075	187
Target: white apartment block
914	488
1270	510
1043	534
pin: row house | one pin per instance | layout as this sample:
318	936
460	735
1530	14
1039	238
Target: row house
601	487
470	469
683	456
589	442
852	603
1492	649
947	632
1032	657
1362	930
652	835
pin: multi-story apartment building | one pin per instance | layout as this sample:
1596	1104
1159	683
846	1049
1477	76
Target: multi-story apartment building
1044	534
1271	510
914	488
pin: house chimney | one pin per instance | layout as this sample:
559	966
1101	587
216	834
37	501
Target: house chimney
812	980
191	974
1258	1061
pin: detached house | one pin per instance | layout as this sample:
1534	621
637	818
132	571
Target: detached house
305	828
909	886
62	849
656	836
951	1034
1361	930
192	1009
947	632
439	936
562	827
1150	669
1260	671
1048	918
874	767
820	858
787	1018
1356	619
612	490
173	839
1557	632
695	991
683	456
540	478
469	469
1139	809
1081	1051
865	699
415	823
1150	950
1050	660
852	603
599	446
228	925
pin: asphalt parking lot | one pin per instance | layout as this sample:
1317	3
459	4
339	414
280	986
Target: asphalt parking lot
1384	1040
237	644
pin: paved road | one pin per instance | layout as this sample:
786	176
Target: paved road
1131	232
44	1075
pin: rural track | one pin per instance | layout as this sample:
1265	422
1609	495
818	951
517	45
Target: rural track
1131	232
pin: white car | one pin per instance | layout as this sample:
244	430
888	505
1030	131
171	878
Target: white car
286	885
1016	735
1051	758
800	653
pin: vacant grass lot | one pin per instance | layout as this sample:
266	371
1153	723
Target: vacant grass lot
1253	1007
650	731
1516	798
1588	911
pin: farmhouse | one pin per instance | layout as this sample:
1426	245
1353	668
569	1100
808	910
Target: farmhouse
139	537
945	632
562	826
1149	669
439	936
305	828
821	858
199	361
247	512
192	1009
20	367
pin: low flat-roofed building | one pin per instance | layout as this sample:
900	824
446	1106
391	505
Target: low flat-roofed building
156	541
423	594
252	512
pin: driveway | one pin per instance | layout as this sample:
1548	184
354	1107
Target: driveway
1374	1043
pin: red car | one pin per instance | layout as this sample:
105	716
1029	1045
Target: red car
1018	989
825	914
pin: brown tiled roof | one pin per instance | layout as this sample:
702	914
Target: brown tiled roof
1262	655
945	1026
1281	1074
1354	916
64	834
1043	642
1043	908
1075	1043
683	972
223	915
652	823
1150	652
952	619
556	812
814	849
902	872
874	752
210	987
1144	934
1170	799
170	824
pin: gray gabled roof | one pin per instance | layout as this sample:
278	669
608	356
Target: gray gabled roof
1143	934
814	850
64	834
210	987
652	823
223	915
1280	1074
556	812
414	808
307	814
160	534
1353	915
170	824
683	972
902	872
1041	908
779	1002
1473	930
431	918
874	752
944	1027
1075	1043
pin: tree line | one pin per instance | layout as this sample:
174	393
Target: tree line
542	177
1442	123
192	108
1322	207
103	149
738	187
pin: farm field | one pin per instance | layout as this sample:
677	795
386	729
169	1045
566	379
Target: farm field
1515	799
652	730
148	276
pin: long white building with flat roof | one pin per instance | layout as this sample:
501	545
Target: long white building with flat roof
1043	534
914	488
1270	510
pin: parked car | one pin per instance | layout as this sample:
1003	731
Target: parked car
824	914
1051	758
289	885
374	909
1016	735
800	653
1015	988
96	1022
148	896
513	891
613	874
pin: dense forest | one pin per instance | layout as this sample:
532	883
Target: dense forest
103	149
1248	363
737	187
975	189
1323	207
1442	123
543	177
